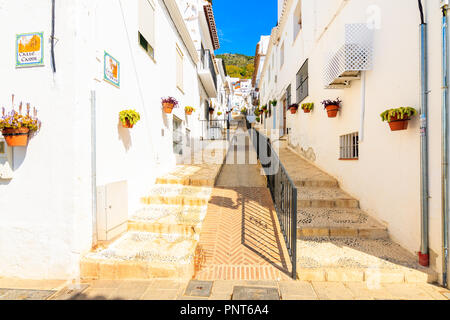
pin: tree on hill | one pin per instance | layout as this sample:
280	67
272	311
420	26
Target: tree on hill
238	65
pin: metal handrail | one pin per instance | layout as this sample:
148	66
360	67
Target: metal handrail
284	194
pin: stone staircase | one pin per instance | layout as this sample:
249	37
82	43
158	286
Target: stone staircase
163	234
336	240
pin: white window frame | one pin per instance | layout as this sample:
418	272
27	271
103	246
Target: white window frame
297	21
179	65
3	149
146	26
349	146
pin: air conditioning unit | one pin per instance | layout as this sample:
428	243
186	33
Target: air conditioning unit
351	57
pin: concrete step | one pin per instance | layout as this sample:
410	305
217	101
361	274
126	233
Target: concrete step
358	260
303	173
142	255
173	194
169	219
202	175
312	183
338	222
322	197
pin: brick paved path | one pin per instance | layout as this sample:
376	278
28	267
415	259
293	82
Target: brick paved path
240	238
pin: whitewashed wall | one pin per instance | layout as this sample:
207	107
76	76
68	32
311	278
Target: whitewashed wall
386	178
45	215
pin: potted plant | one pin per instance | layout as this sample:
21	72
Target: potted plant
16	127
211	110
189	110
264	107
332	107
258	119
219	113
129	118
398	118
307	107
293	108
169	103
244	111
274	103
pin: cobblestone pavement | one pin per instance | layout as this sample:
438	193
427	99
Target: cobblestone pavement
162	289
240	237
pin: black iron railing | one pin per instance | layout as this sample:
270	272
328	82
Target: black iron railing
215	129
283	191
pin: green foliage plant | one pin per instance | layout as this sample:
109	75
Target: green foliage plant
131	115
402	113
308	106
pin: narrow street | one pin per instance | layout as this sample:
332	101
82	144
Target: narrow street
195	150
240	238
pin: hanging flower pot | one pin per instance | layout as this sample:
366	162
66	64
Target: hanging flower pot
211	111
307	107
332	111
16	137
129	118
16	127
293	108
398	118
168	104
332	107
188	110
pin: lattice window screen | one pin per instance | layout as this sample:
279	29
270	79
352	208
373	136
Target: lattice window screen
355	54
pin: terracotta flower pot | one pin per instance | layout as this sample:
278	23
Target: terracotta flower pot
127	124
168	107
188	112
306	111
332	111
398	124
16	137
293	110
211	112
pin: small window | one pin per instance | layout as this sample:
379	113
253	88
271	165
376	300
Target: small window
349	146
146	46
302	82
188	138
288	96
146	14
177	136
179	64
297	19
3	155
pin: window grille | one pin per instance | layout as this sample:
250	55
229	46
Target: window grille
188	138
288	96
349	146
3	155
302	83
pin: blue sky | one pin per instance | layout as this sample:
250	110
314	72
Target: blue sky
240	23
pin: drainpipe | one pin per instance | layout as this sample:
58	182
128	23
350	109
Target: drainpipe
424	258
444	150
52	42
94	168
363	106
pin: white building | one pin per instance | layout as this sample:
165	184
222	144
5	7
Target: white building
48	190
301	66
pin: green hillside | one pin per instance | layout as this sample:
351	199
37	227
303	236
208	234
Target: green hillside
238	65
